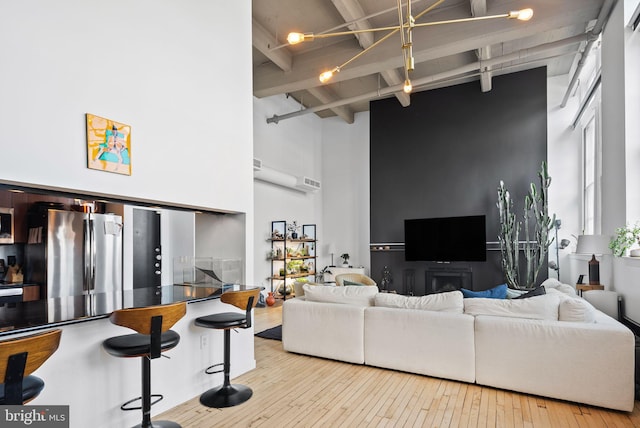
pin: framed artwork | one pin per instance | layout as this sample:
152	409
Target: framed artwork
108	145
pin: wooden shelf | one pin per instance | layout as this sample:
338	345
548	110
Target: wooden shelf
282	250
293	275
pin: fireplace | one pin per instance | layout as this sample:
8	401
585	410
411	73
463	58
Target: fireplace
441	279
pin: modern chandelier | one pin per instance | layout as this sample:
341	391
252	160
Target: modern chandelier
407	23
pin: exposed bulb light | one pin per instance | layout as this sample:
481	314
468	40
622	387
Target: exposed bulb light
327	75
522	15
407	87
295	38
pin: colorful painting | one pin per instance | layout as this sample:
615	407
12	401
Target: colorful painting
108	145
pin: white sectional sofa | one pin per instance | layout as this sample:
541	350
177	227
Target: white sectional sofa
553	345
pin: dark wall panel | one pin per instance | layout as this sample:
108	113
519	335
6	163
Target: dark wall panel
445	155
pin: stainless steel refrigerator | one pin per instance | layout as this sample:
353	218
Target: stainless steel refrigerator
74	253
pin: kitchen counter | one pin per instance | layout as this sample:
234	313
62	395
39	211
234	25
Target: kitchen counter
45	313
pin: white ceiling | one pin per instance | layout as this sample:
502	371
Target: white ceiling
444	55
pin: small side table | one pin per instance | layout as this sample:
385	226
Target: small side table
587	287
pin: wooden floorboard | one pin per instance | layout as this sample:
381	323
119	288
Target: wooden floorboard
291	390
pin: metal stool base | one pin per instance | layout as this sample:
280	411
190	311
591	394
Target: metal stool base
226	396
159	424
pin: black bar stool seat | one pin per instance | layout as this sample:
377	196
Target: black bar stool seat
228	395
222	320
21	356
137	345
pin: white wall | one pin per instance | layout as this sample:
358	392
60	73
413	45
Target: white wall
632	112
167	69
293	147
626	269
345	154
330	150
613	124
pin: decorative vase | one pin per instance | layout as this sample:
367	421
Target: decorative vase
294	235
270	299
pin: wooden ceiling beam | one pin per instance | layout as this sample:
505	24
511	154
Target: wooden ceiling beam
479	8
265	42
325	96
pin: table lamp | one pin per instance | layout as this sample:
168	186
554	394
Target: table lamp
593	244
331	249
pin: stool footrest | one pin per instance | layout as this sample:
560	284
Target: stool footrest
125	407
209	371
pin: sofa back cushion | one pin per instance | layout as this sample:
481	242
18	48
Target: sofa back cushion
350	294
539	307
442	302
574	308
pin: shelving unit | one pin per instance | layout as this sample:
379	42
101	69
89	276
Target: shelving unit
293	256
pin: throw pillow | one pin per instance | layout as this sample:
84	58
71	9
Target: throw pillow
498	292
538	291
575	309
347	282
450	301
552	283
360	296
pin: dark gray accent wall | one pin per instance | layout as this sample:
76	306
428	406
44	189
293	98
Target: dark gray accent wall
445	155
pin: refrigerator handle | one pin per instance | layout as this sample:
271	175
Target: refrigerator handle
87	255
92	240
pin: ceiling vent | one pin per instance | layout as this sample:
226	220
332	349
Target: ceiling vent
257	164
307	183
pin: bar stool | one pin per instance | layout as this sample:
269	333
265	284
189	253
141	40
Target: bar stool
228	395
19	358
153	337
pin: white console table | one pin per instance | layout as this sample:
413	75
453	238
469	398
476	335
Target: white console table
329	276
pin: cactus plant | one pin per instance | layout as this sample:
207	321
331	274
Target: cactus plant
535	250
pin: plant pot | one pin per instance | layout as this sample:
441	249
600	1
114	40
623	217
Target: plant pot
270	299
294	235
634	253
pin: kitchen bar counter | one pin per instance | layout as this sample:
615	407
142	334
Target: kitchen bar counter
46	313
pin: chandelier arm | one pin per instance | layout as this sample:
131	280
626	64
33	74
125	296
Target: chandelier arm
350	32
455	21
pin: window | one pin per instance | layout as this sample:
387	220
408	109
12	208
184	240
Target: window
591	171
589	187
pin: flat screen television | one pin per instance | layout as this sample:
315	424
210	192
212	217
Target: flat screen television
446	239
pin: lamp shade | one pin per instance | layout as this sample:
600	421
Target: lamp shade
593	244
331	249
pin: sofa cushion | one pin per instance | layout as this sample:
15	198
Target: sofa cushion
552	283
299	291
450	301
574	308
352	295
539	307
497	292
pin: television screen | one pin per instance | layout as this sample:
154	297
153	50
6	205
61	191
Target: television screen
446	239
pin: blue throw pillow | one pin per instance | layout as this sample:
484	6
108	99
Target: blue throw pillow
498	292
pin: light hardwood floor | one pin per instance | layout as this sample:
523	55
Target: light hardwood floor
292	390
